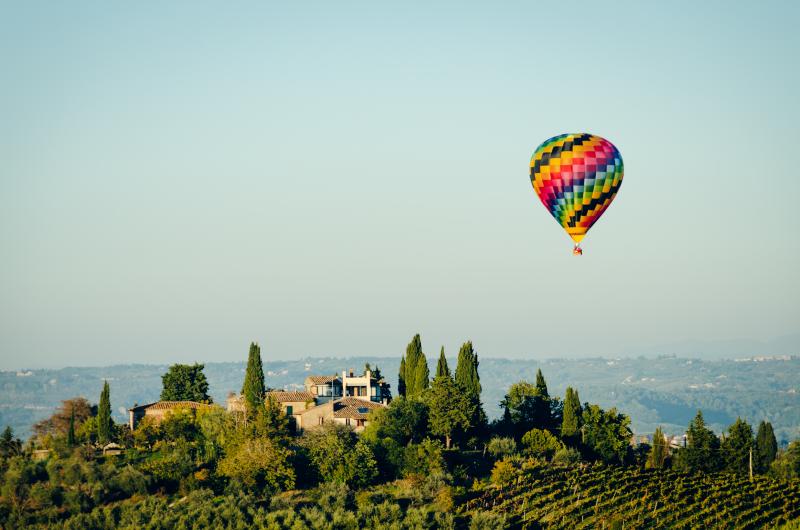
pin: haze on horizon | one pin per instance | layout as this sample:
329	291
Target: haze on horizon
178	180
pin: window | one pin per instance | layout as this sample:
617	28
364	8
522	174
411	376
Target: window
289	410
321	420
363	410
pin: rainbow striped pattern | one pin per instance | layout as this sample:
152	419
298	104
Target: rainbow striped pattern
576	176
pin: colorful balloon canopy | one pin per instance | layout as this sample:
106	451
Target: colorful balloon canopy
576	176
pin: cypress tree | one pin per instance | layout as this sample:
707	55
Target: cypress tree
657	457
422	376
253	388
766	448
467	377
571	420
71	431
414	362
541	386
104	422
401	379
442	369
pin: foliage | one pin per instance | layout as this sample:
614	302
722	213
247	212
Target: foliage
336	454
766	447
259	464
787	463
703	450
541	443
253	388
499	447
423	458
58	423
105	424
9	445
606	434
567	456
184	382
414	374
403	421
451	411
441	367
736	447
657	457
571	417
525	408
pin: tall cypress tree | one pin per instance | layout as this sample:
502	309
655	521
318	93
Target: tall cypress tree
571	420
401	378
766	448
104	422
441	368
414	362
467	377
422	375
253	388
541	386
657	457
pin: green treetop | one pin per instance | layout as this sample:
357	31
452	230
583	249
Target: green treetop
702	452
657	457
541	386
104	421
253	388
736	447
766	448
571	419
467	378
441	367
450	410
414	374
184	382
71	430
401	378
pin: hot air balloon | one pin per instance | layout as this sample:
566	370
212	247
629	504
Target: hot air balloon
576	176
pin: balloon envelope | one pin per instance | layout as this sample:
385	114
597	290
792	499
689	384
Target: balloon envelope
576	176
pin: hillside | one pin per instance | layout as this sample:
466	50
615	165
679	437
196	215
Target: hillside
665	391
597	496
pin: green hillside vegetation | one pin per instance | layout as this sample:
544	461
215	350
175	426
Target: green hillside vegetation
431	459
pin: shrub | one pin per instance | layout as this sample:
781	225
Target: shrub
501	446
541	443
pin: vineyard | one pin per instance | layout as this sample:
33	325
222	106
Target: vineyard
597	496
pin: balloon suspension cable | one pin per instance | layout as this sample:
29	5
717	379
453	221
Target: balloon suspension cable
577	251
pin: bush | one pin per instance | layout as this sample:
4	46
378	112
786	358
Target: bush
487	521
567	456
499	447
541	444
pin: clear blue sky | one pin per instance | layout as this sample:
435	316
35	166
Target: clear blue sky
330	178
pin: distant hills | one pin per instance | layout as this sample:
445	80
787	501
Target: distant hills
664	391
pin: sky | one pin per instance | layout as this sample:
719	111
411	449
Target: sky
329	178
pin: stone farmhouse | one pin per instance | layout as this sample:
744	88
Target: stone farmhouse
345	399
159	410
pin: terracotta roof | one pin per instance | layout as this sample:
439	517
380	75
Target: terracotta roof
168	405
355	408
322	379
283	396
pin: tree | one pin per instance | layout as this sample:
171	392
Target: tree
541	386
404	421
657	457
105	424
441	367
525	408
541	443
450	409
467	378
253	388
335	452
414	373
401	378
571	418
58	423
702	452
71	430
260	463
736	447
422	375
9	446
184	382
606	434
766	447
